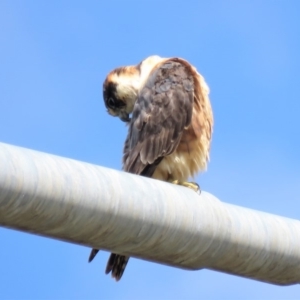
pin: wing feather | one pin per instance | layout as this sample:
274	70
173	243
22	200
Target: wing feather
161	113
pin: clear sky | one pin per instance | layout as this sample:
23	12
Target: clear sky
54	56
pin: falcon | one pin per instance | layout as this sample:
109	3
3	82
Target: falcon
170	127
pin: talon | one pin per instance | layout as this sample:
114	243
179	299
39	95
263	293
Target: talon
195	186
191	185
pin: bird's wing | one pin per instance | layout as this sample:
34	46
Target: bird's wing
162	111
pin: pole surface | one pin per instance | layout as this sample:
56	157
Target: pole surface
102	208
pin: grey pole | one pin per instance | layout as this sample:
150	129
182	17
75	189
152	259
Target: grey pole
103	208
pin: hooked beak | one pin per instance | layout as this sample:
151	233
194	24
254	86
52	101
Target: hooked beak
122	115
125	117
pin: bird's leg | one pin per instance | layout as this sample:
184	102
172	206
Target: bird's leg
192	185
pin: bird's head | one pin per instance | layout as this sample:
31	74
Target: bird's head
122	85
120	90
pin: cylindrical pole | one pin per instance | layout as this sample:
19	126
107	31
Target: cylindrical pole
103	208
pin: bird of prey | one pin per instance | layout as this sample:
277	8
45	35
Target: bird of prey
170	128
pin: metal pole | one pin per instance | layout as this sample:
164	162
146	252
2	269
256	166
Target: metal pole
103	208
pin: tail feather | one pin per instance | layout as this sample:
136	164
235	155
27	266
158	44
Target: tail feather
110	263
93	254
116	265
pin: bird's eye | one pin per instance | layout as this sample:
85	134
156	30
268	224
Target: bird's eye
111	103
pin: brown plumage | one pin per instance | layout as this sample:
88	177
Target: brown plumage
171	126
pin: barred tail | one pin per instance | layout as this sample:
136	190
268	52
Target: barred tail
116	265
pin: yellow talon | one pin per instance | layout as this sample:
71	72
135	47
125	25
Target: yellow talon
192	185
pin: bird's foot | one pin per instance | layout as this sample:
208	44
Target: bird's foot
191	185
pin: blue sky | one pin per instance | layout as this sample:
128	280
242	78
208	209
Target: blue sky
54	56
